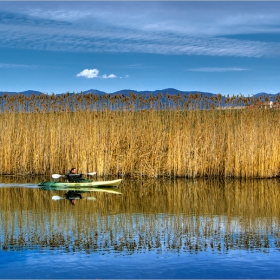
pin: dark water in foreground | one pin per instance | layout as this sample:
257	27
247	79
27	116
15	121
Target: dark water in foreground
154	229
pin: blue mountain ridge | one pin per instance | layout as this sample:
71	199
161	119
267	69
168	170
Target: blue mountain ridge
27	92
171	91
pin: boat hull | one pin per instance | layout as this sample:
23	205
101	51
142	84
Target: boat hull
86	184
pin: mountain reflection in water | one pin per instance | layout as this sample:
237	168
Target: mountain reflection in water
182	216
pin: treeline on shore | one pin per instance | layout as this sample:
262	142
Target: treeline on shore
173	136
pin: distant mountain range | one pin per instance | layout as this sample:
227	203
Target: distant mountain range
27	92
171	91
127	91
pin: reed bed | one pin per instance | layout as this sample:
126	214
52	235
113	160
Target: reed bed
176	215
152	136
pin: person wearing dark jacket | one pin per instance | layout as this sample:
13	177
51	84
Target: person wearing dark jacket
72	176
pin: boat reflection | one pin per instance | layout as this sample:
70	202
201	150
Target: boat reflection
73	194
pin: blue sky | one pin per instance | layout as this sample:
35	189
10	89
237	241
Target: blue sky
218	47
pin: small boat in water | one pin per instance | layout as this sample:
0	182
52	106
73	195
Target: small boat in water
82	184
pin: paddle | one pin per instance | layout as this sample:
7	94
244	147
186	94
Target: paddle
57	197
56	176
90	198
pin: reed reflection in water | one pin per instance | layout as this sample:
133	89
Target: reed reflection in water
180	217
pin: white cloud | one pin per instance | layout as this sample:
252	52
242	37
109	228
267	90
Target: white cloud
93	73
111	76
217	69
89	73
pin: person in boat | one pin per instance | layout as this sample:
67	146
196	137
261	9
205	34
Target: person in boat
72	176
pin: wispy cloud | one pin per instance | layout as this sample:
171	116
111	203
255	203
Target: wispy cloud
8	65
133	66
125	41
58	14
217	69
178	29
191	18
125	77
111	76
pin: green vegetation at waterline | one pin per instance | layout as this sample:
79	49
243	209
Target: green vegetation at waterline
114	137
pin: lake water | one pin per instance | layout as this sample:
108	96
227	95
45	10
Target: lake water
154	229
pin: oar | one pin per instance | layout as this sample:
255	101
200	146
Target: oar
57	197
56	176
90	198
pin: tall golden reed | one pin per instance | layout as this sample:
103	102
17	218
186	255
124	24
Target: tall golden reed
163	135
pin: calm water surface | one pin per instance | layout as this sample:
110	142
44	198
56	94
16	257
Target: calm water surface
153	229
